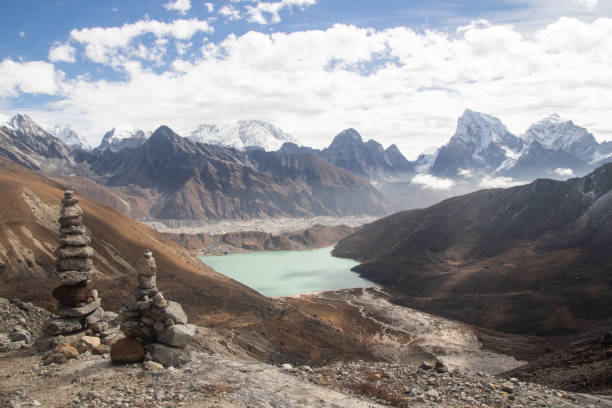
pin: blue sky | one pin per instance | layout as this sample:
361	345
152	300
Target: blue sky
398	71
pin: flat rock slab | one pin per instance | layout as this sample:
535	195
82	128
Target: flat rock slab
79	311
61	325
177	335
74	277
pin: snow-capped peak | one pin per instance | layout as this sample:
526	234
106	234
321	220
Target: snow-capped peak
119	138
555	133
25	124
243	135
481	129
67	135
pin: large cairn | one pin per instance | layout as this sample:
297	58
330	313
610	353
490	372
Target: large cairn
155	328
79	304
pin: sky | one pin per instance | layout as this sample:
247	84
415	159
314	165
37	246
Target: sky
398	71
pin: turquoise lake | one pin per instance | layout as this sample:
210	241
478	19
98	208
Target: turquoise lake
288	273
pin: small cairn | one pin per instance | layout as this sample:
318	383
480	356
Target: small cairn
79	304
152	323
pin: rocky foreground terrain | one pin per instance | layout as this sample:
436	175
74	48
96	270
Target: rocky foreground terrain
220	375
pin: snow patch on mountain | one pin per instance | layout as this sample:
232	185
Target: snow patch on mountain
245	134
66	134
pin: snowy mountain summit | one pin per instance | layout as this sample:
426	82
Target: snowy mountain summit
481	142
69	136
244	135
120	138
555	133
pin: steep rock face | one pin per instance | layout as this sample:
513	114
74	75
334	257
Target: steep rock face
121	138
244	135
481	142
28	144
539	247
366	159
197	181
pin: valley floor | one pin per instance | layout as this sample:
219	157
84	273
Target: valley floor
275	225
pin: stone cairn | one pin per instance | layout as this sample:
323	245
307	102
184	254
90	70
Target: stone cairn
79	304
155	328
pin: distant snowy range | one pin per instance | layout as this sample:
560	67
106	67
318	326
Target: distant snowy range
482	153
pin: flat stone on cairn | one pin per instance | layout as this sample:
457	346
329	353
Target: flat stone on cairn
79	304
160	325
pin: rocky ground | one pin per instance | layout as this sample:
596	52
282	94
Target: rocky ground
213	380
220	375
20	324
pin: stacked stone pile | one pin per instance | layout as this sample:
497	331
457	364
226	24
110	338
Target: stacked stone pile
79	303
152	323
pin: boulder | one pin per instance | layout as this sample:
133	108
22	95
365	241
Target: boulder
127	351
63	325
79	311
67	350
178	335
70	295
95	317
172	311
91	342
607	339
169	356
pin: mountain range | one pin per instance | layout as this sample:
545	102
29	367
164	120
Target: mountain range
251	169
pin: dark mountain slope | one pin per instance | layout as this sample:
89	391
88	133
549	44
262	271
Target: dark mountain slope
532	259
197	181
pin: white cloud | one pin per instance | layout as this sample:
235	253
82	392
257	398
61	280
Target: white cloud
22	34
113	45
230	12
563	172
395	85
182	6
210	7
62	52
35	77
432	182
499	182
114	9
257	14
589	4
